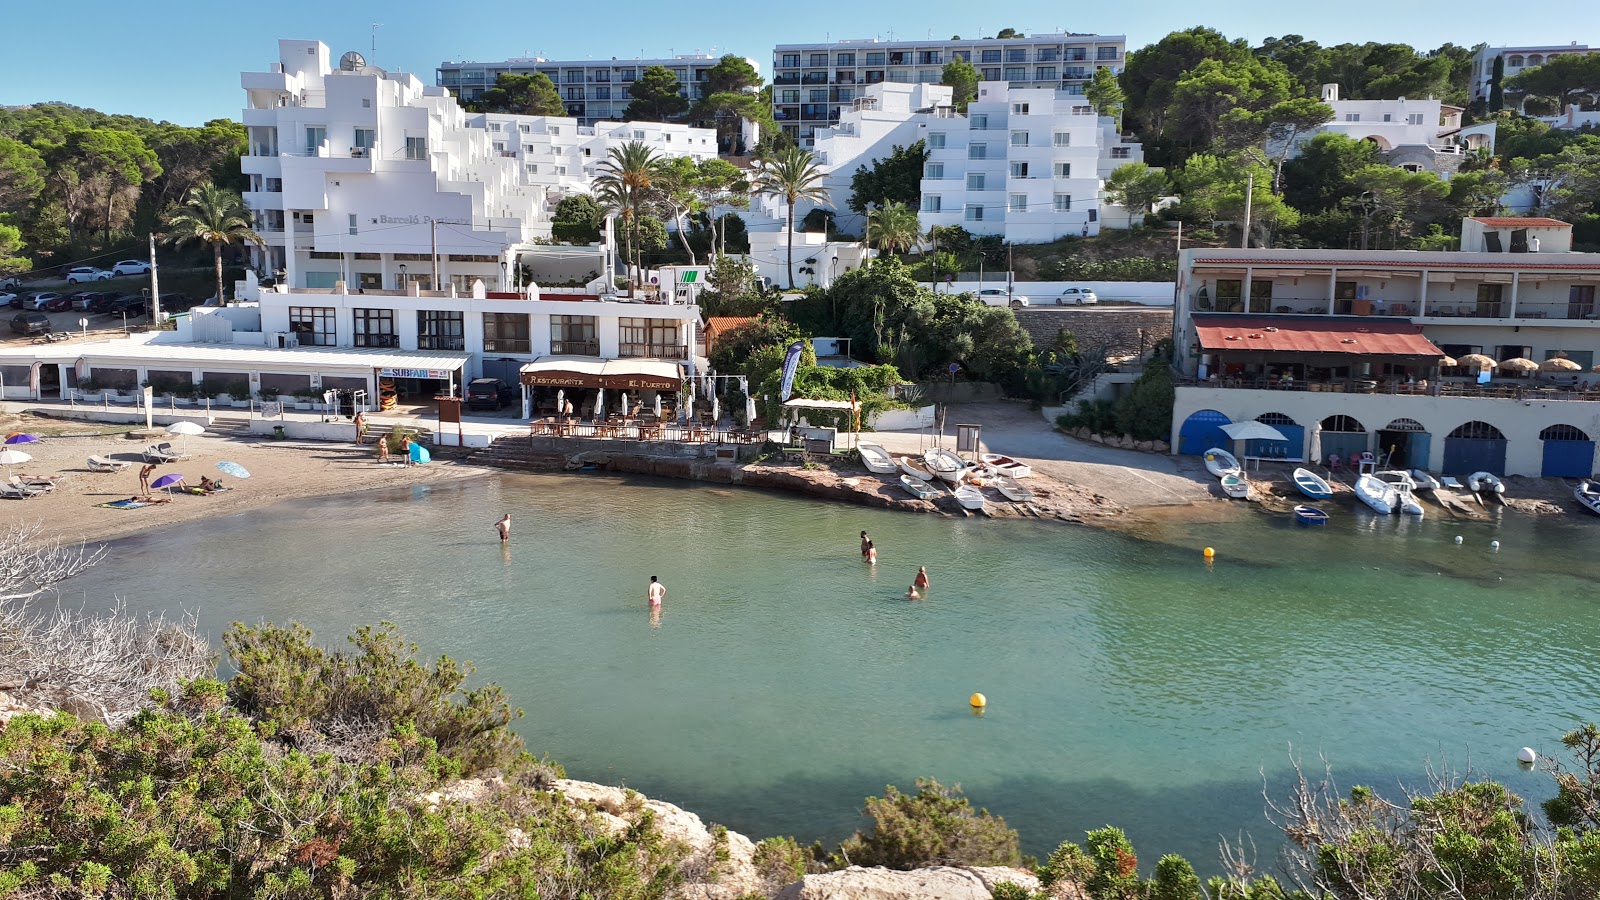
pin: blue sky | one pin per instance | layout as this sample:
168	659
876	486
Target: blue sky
179	59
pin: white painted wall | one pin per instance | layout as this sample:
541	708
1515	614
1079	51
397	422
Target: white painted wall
1044	293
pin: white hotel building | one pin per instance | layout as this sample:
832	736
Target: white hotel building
593	90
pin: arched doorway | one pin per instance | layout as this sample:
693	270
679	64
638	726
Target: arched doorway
1343	436
1405	443
1293	445
1475	447
1202	431
1568	452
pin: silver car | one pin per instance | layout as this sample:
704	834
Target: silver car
1077	295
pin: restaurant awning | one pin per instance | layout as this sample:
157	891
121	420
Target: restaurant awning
1344	335
588	372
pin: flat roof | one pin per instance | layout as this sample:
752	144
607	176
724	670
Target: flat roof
1352	336
250	356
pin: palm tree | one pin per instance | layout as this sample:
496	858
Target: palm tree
215	216
624	184
893	228
793	175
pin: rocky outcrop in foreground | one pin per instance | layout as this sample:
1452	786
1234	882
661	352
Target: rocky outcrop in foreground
944	882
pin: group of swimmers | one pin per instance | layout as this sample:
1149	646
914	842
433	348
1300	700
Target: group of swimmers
919	585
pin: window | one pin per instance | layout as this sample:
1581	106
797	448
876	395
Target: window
974	181
1019	139
1019	170
1063	202
978	151
1017	203
316	138
353	224
979	121
1046	54
499	146
936	140
1094	215
1105	53
933	171
1044	73
416	148
1352	117
1387	117
1016	73
573	335
1063	170
525	129
963	55
494	126
990	73
787	97
845	59
974	212
533	168
819	96
929	76
602	93
365	139
991	56
1077	54
313	325
1414	119
819	59
1019	109
650	337
505	333
375	328
1016	54
874	59
790	60
932	203
439	329
1121	152
366	102
554	129
1062	139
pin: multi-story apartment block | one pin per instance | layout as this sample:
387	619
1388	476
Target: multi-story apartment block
813	84
562	156
1025	163
594	90
1518	60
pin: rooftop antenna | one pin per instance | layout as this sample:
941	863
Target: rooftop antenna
375	27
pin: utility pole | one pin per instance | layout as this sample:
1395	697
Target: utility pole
433	231
1249	198
155	292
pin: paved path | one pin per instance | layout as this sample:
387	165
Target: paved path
1128	477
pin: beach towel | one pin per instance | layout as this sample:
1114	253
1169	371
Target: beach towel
125	504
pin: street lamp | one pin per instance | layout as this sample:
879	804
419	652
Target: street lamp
502	274
402	276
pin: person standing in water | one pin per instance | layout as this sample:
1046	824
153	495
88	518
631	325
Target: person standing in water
504	527
911	593
872	554
866	542
921	581
656	592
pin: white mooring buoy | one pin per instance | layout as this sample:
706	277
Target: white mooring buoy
1527	755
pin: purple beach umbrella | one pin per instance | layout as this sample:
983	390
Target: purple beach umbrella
20	438
167	481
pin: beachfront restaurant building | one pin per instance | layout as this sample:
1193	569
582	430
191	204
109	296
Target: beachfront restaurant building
1455	362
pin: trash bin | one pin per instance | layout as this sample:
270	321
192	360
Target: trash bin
277	433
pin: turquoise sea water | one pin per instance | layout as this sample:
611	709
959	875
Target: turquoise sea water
1128	682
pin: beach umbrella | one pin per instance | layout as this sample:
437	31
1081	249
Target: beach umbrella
1314	451
1447	362
1253	431
20	438
167	481
1476	361
185	429
234	469
749	410
9	458
716	408
1554	364
624	402
1520	364
656	404
600	405
561	403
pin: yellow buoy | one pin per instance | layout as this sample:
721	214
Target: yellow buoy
979	701
1210	553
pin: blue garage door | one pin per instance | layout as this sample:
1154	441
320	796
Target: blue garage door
1293	445
1202	431
1344	437
1475	447
1568	452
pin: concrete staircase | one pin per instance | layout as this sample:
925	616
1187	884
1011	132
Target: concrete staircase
512	451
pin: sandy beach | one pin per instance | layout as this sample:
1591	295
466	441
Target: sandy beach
279	471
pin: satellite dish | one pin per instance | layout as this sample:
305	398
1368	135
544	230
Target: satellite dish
352	62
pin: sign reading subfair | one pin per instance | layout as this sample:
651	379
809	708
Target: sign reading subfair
413	373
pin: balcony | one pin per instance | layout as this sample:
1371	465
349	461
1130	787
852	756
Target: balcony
814	78
658	351
786	79
570	348
1514	389
507	345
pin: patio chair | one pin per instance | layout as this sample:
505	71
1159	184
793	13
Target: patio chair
102	464
1335	464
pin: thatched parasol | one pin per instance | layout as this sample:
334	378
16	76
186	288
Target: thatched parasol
1476	361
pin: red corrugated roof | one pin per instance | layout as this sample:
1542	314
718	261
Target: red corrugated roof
1362	336
1520	222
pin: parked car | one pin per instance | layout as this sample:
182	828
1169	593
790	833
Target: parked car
10	282
8	298
38	302
1077	295
82	299
85	274
30	323
129	306
61	303
131	267
101	301
1001	297
488	393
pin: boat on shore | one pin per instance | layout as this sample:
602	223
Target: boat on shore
876	459
918	488
1312	485
1236	486
948	466
1005	465
1485	483
914	468
970	497
1310	515
1378	494
1587	493
1408	502
1424	481
1011	489
1396	477
1220	463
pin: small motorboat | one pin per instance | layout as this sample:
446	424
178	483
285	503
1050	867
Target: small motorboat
1011	489
1408	503
1378	494
1005	465
1312	485
1485	483
876	459
1587	493
1220	462
914	468
919	488
1423	481
1236	486
948	466
970	497
1310	515
1401	480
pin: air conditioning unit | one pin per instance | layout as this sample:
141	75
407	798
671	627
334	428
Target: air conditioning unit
284	340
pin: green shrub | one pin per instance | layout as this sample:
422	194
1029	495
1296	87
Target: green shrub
1068	863
1146	411
1116	866
780	861
1175	880
936	827
1096	415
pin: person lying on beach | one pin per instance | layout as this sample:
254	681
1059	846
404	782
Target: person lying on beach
152	499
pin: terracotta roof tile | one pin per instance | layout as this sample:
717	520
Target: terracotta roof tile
1520	222
1353	335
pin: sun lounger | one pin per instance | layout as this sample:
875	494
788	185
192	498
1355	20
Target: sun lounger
101	464
12	493
17	482
157	455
